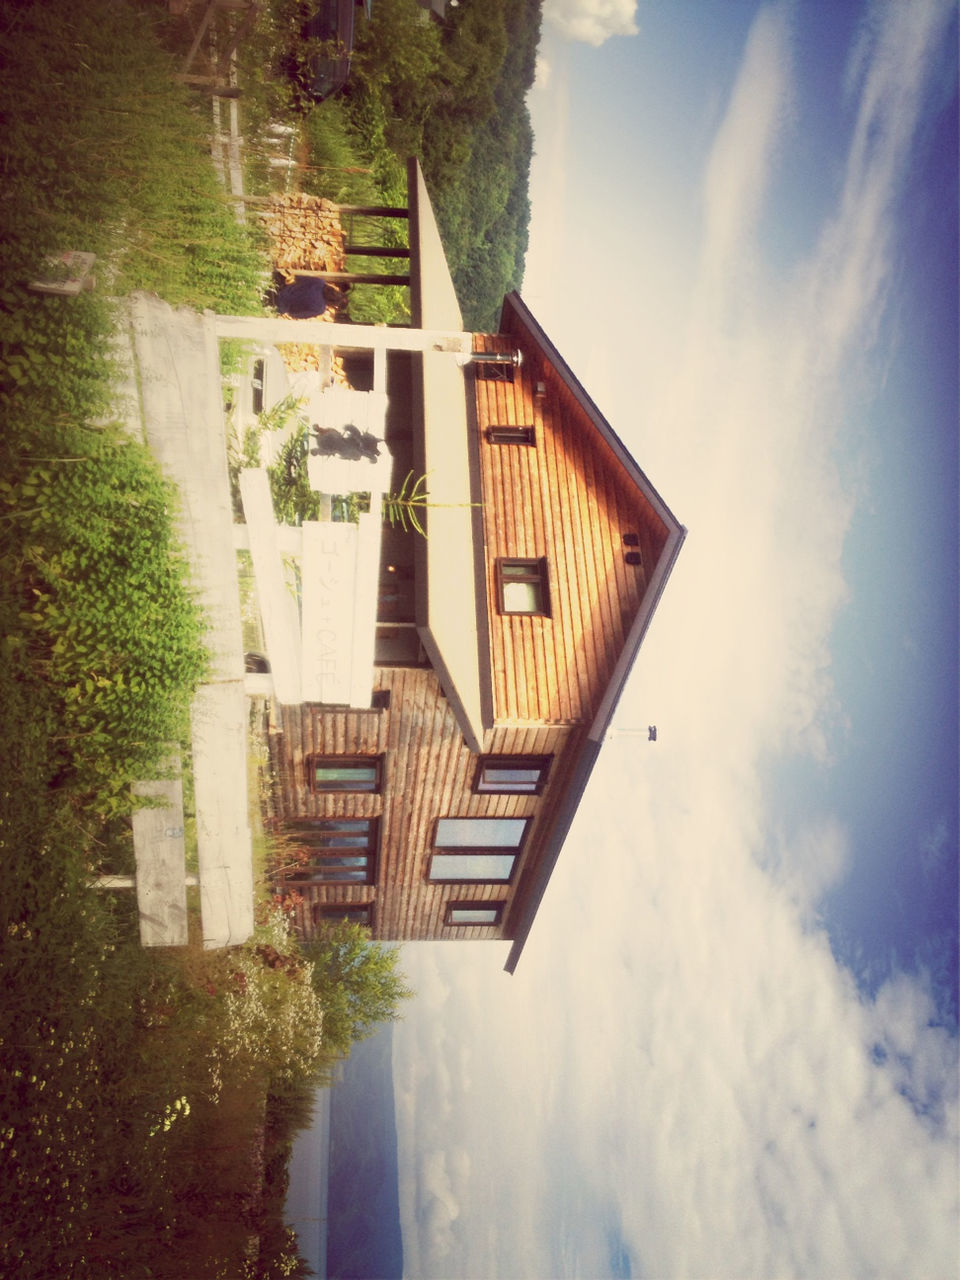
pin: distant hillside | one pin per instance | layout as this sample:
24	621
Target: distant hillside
476	155
454	93
363	1203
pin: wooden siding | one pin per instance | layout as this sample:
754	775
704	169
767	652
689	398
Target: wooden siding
568	499
428	773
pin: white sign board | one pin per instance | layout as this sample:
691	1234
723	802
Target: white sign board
329	580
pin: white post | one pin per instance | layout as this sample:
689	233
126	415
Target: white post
130	882
357	337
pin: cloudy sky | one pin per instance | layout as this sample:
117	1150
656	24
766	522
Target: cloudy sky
742	1063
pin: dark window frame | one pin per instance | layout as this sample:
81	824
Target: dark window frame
496	370
442	851
536	573
540	763
320	760
496	907
504	434
333	912
439	855
322	848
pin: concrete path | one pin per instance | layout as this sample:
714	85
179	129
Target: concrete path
178	370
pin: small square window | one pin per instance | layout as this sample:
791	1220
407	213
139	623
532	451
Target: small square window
343	773
522	587
511	775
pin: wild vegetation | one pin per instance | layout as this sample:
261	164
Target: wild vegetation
143	1093
452	93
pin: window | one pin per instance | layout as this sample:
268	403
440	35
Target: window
480	866
499	367
473	913
511	435
511	775
352	912
335	850
343	773
480	850
522	587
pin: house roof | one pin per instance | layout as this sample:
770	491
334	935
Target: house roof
451	602
451	608
517	319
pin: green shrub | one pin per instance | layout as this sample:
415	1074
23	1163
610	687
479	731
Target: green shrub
272	1016
104	615
357	981
103	151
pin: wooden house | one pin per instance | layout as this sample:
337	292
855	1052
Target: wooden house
435	803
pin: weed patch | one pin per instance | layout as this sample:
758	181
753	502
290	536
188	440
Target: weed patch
102	150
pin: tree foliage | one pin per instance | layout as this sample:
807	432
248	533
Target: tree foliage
454	94
357	982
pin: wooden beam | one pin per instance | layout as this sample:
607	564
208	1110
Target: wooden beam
345	337
216	86
130	882
204	23
375	251
278	608
244	29
158	843
351	277
375	211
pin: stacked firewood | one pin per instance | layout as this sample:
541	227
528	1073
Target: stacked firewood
306	235
298	357
305	232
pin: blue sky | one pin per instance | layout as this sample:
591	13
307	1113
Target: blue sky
744	1062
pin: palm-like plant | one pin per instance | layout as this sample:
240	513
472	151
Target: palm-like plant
404	508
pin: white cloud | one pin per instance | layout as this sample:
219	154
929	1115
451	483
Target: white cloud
745	148
691	1060
679	1043
810	864
592	21
935	847
853	266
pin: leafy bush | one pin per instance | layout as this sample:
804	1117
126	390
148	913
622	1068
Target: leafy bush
357	983
455	96
272	1016
103	609
121	1066
293	499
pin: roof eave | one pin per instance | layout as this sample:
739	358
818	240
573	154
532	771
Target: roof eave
448	600
676	534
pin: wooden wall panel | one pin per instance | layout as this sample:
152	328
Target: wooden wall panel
428	773
568	499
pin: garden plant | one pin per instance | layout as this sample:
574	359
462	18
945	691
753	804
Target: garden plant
146	1096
